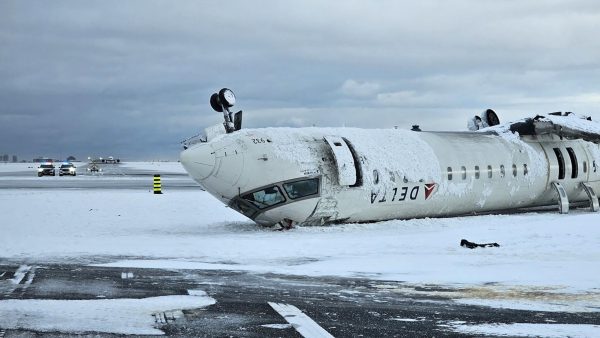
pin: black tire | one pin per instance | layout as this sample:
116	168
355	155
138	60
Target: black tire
40	174
74	174
492	118
215	103
223	99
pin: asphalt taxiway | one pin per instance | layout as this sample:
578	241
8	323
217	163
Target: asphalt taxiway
342	307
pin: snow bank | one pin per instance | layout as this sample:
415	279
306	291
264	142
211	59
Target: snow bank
120	316
528	330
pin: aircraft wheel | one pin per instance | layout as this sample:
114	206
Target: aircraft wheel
492	118
215	103
227	97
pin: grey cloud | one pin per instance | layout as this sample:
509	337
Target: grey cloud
132	79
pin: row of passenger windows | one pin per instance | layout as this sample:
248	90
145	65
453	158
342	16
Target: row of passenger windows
477	172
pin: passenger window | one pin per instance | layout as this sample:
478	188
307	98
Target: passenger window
525	171
514	170
489	171
449	173
464	172
476	172
265	198
584	167
302	188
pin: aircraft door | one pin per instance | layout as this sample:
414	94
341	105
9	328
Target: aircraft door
344	160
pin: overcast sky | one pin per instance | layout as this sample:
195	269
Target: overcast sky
132	79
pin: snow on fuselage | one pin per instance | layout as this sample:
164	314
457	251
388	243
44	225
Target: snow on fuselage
325	175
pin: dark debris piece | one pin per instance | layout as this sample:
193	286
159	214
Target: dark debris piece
466	244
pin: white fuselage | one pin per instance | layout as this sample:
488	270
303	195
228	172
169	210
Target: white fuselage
327	175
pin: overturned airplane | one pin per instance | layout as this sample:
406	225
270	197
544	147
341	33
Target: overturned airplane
316	176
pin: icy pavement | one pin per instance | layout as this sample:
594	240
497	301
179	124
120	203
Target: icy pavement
73	298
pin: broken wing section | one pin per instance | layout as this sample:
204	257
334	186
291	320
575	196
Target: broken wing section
567	125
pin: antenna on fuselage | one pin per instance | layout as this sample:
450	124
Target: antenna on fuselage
221	102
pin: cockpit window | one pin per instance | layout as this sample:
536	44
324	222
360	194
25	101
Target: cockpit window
265	198
243	208
299	189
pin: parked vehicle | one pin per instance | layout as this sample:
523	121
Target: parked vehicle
67	169
46	169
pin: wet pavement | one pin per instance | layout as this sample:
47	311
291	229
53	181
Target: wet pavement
344	307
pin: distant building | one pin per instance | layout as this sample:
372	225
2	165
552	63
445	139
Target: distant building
42	159
71	158
15	160
5	158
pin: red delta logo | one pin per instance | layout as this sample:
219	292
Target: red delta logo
429	189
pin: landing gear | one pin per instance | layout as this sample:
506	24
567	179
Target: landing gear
221	102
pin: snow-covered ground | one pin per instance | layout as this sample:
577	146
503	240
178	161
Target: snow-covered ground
121	316
17	167
171	167
525	330
545	261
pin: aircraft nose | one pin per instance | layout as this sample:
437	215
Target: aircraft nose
198	161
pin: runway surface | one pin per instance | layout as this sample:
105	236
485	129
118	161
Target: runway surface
81	296
342	307
112	176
